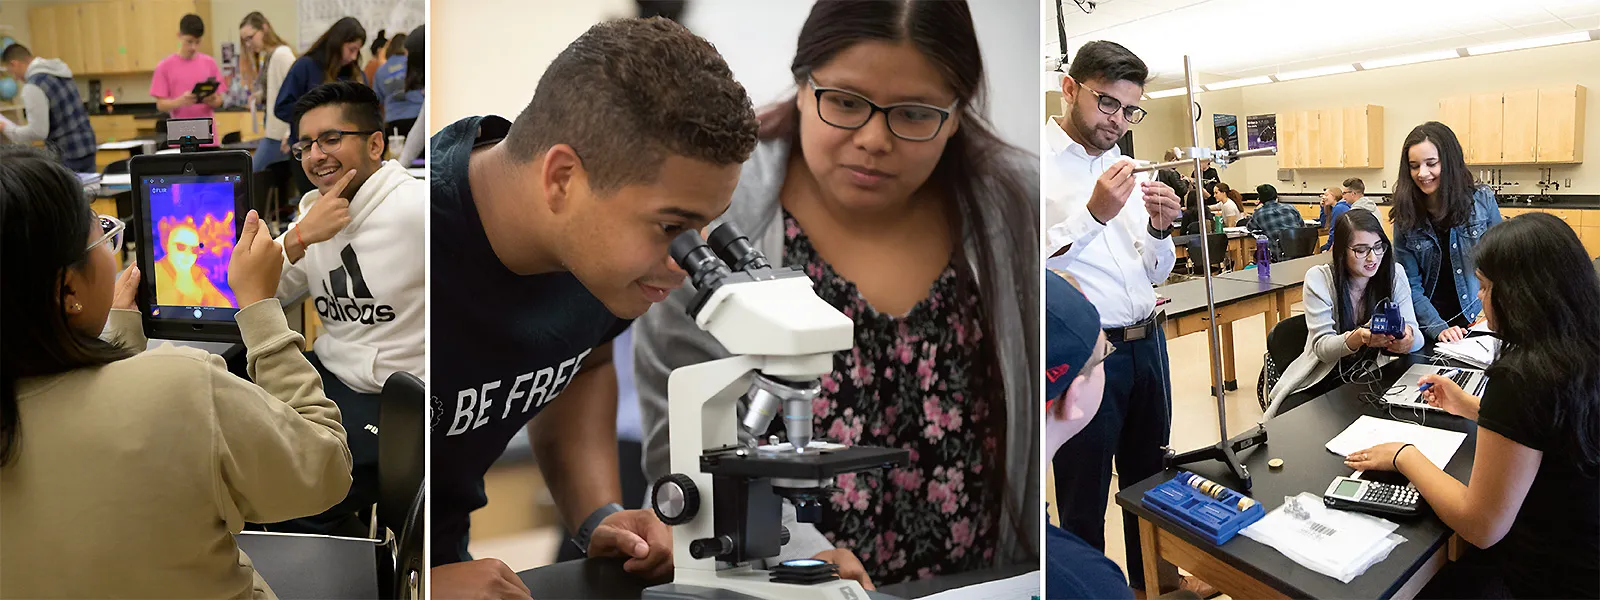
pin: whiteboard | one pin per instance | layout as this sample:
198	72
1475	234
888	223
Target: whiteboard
395	16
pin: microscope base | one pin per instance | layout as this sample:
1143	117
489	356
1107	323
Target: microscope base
746	583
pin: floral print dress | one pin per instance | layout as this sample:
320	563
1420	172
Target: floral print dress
917	382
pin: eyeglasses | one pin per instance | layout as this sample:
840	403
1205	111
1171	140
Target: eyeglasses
1087	367
910	121
111	228
328	141
1363	251
1110	106
182	247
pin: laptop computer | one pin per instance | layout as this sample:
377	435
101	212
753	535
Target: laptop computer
1404	392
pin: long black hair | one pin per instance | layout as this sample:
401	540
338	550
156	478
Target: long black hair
44	223
982	174
1455	182
1543	292
328	50
416	65
1379	288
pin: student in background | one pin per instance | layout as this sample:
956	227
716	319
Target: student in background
377	59
1113	234
400	106
53	108
1439	215
1355	193
173	82
552	253
331	58
1075	354
267	59
1340	299
1226	203
416	86
916	221
126	472
362	225
1533	501
1333	205
1273	215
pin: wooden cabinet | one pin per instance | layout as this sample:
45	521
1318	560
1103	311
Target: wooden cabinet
1485	130
1560	125
1303	149
1330	144
1349	137
1519	127
115	36
1288	132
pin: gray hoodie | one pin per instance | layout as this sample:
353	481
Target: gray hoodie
35	104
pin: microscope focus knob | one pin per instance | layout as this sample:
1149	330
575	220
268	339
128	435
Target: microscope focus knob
710	547
783	536
677	500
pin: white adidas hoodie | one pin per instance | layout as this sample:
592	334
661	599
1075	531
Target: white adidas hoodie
368	282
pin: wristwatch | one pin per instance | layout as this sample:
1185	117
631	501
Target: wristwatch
581	538
1159	234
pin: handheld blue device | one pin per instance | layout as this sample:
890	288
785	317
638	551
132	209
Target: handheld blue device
1386	320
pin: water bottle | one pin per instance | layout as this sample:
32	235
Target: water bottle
1216	223
1263	258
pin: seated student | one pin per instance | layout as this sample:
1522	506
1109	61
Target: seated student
126	472
1273	215
416	89
887	216
54	110
1075	352
1355	194
357	247
1226	203
400	106
1533	502
172	84
1340	299
1333	205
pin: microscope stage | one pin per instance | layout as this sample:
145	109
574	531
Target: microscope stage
811	465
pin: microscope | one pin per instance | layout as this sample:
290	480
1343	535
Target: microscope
724	497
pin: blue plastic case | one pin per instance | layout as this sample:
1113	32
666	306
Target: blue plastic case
1215	519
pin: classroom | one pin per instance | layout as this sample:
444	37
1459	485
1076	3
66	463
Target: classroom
1354	102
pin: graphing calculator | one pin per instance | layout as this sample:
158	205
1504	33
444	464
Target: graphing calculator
1349	493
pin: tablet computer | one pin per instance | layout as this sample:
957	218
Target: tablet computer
205	88
189	209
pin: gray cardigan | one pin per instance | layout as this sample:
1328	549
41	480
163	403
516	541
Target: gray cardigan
1324	344
666	338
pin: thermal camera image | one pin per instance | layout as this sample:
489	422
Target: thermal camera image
193	225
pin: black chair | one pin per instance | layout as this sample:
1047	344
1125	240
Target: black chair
1294	243
1286	342
1217	243
1597	264
269	193
116	167
402	469
232	137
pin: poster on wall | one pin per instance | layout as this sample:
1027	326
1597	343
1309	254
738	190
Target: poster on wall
1227	127
1261	131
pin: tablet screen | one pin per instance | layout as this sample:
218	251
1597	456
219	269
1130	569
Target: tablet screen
191	221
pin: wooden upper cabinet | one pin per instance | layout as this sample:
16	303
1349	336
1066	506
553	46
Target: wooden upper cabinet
114	29
1310	125
1287	135
93	33
1330	145
42	23
1486	128
1456	113
1520	126
1560	124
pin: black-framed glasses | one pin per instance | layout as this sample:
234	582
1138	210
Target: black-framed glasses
1364	250
1110	106
328	141
910	121
111	229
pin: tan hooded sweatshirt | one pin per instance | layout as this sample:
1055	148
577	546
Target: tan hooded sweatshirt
130	479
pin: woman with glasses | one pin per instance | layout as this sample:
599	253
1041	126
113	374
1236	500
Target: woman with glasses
1340	299
883	181
180	281
1439	215
126	472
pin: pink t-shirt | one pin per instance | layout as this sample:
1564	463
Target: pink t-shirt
175	77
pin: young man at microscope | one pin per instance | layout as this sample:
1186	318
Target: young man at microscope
551	235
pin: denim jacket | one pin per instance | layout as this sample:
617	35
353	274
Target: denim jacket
1418	251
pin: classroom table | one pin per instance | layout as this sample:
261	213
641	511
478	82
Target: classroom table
605	578
1244	568
314	567
1288	276
1235	300
1241	246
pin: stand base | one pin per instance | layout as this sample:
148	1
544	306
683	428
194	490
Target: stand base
746	583
1226	451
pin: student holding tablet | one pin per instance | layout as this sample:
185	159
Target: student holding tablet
1533	501
357	248
180	80
125	472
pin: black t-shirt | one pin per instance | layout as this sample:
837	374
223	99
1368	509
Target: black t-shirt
504	345
1553	547
1445	298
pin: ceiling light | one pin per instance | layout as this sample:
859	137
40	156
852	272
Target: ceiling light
1166	93
1565	38
1317	72
1408	60
1233	83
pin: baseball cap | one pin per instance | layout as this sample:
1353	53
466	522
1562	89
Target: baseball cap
1071	331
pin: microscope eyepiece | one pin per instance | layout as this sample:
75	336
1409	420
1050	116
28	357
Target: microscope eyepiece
690	251
735	249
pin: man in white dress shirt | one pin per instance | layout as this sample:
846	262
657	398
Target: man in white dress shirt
1111	230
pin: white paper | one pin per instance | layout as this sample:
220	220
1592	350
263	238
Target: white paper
1436	444
1477	351
129	145
116	179
1021	587
1335	543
